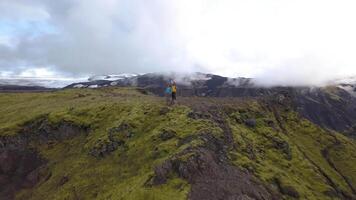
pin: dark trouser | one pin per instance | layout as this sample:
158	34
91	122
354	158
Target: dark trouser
174	96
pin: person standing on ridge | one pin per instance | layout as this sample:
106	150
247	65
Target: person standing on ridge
174	92
168	94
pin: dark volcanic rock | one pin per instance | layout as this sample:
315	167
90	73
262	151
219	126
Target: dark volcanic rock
44	132
19	169
151	80
199	115
161	172
120	133
103	148
211	179
4	179
283	146
335	111
332	108
167	134
186	140
117	137
211	176
290	191
286	189
63	180
251	123
20	165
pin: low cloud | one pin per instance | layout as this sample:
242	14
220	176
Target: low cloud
276	42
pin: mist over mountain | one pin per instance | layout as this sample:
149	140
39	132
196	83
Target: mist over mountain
269	41
178	99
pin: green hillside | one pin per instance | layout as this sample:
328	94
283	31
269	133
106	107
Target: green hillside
122	143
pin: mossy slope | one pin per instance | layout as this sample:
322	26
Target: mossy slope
287	153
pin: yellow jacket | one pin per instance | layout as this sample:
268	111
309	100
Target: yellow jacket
174	88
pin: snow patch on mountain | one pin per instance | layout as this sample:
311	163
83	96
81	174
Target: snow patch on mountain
347	80
348	84
349	88
112	77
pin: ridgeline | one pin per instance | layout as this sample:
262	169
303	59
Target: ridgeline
125	143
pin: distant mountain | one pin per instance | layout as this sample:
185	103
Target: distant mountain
17	88
155	81
38	82
51	83
332	106
200	84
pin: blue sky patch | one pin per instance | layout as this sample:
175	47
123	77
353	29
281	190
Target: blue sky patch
11	28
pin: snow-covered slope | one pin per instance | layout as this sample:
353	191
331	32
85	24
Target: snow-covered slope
112	77
143	80
42	82
59	82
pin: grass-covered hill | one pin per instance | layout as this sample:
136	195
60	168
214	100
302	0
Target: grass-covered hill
122	143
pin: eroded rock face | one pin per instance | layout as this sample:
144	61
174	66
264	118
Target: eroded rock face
18	169
21	166
117	137
212	179
334	111
332	108
42	131
219	181
210	174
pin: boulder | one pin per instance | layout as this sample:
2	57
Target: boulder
167	135
251	123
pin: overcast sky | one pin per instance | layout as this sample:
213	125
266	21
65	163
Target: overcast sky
276	41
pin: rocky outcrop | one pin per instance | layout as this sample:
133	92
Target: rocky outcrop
167	134
207	167
19	169
211	176
21	166
286	189
330	108
251	123
117	137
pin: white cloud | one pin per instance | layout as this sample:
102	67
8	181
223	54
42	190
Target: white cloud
5	40
276	41
23	10
37	72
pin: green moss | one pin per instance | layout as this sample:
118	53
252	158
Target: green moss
258	151
121	174
292	154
